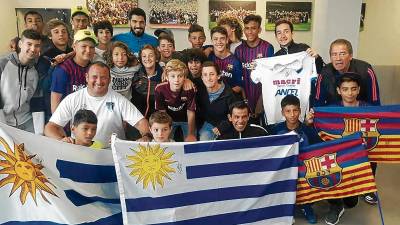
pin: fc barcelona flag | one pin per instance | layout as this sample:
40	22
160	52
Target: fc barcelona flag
379	125
334	169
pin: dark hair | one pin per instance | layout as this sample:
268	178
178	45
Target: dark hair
132	60
349	77
290	100
219	29
31	12
156	52
252	17
31	34
160	117
233	22
100	64
104	24
167	38
279	22
196	28
53	23
212	64
137	12
84	116
342	42
238	105
194	54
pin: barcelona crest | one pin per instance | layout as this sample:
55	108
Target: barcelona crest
323	172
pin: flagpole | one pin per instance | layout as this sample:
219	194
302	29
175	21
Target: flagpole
380	208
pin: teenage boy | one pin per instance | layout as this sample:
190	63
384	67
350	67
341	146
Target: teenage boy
195	58
291	110
253	48
160	126
19	80
178	103
229	65
104	32
84	129
239	114
80	18
197	37
70	75
166	48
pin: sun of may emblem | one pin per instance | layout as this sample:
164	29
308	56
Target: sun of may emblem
151	164
23	173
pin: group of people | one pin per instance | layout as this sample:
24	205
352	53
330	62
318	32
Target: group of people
173	12
142	88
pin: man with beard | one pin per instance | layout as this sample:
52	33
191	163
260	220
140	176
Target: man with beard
136	38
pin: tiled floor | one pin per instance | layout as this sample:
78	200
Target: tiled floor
388	182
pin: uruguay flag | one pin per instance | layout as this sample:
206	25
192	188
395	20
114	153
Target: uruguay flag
247	181
48	182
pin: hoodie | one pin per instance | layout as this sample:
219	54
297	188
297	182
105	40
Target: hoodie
17	85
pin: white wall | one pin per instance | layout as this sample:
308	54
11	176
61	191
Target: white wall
7	24
379	41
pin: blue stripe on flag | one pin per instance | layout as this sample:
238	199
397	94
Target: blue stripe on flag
249	216
219	169
364	109
86	173
241	144
115	219
205	196
78	200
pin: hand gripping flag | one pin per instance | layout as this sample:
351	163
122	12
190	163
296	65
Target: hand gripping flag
334	169
247	181
380	127
47	182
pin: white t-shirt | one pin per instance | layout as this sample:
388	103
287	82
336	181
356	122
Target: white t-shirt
98	56
284	75
110	110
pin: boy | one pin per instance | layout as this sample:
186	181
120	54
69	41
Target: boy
104	32
290	105
348	88
166	48
80	18
197	37
195	59
84	129
160	126
231	67
178	103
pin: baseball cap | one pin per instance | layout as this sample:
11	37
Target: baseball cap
84	34
167	31
79	9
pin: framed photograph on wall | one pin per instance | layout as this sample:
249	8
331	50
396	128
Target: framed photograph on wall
47	14
173	13
115	11
299	13
222	8
362	17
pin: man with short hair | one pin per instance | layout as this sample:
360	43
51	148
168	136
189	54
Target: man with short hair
19	79
342	61
238	116
136	38
69	76
284	36
253	48
80	18
111	109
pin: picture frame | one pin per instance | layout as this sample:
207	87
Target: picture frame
299	13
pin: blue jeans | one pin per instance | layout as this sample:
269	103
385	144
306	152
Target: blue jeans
184	126
206	133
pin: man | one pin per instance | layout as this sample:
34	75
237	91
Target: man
252	48
18	81
136	38
69	76
111	109
342	61
284	36
238	116
80	18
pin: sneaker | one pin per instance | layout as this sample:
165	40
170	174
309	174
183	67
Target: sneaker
334	214
308	213
371	198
